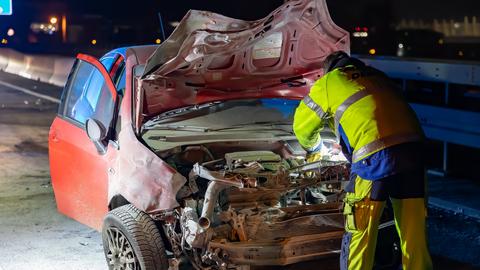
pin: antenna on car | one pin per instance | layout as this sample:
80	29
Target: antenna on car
162	29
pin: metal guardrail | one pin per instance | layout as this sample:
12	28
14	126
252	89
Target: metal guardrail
447	71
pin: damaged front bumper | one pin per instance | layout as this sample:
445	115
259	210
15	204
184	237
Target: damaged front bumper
279	252
313	232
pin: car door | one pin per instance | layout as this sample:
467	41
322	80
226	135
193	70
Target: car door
79	171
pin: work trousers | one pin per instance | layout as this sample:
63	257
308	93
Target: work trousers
364	204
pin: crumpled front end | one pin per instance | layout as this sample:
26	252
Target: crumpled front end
255	207
141	177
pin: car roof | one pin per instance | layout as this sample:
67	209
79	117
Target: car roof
123	50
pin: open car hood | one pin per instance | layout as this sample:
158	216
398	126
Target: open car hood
208	51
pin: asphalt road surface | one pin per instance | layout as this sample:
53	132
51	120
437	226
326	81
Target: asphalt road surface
34	236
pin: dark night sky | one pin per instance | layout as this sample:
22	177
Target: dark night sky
344	12
251	9
143	13
455	9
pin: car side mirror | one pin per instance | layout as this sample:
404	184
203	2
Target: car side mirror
97	134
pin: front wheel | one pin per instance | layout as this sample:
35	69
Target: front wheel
131	241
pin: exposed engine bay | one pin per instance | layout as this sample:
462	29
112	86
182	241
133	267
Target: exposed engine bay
254	203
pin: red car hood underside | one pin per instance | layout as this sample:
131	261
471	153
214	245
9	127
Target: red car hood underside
212	57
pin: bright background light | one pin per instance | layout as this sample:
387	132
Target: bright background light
5	7
360	34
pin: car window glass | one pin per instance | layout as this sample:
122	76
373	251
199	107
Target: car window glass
77	86
121	82
92	93
107	62
89	96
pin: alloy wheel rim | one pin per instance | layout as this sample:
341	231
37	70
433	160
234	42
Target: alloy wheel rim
120	255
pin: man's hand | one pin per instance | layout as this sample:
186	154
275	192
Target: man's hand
314	156
314	153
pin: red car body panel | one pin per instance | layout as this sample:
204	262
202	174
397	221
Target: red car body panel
79	174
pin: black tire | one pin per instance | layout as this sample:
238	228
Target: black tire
143	248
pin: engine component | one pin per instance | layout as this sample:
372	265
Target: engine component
253	199
269	159
193	234
216	177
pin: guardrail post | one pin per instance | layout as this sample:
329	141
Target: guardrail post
445	144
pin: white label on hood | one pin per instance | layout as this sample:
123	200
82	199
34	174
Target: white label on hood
268	47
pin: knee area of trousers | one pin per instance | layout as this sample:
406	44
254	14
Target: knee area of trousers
359	213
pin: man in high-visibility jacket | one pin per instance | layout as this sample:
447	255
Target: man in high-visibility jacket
382	138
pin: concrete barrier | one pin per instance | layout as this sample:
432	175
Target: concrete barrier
41	68
61	69
16	63
4	56
49	69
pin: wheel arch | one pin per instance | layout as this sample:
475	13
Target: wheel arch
117	201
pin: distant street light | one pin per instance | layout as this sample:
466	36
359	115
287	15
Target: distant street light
94	41
372	51
158	41
53	20
10	32
64	29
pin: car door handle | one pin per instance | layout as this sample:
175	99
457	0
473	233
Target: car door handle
53	136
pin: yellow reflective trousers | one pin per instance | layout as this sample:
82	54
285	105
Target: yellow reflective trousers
362	217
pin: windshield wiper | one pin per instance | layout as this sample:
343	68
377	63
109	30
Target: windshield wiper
181	111
178	128
272	124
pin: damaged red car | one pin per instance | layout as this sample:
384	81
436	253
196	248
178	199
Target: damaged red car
183	153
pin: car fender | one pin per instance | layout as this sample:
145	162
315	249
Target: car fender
141	177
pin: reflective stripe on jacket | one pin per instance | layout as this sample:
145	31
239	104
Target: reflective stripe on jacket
366	111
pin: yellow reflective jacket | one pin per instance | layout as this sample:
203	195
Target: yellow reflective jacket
369	115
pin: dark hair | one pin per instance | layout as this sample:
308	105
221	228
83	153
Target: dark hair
340	59
332	60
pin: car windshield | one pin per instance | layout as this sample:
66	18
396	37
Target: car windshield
228	114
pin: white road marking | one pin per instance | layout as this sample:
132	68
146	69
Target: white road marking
30	92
